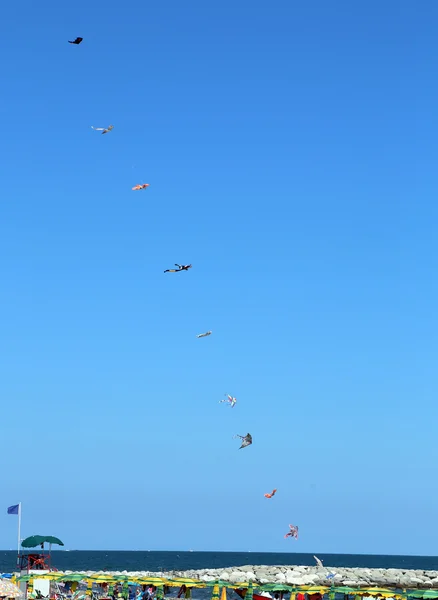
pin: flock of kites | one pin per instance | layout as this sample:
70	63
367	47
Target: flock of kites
230	400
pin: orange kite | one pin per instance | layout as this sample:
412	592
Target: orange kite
271	494
143	186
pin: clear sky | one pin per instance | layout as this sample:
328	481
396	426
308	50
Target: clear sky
291	152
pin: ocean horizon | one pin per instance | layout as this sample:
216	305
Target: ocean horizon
162	560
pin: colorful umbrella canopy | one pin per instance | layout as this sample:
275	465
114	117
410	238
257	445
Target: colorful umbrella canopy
102	578
249	592
74	577
215	594
178	581
9	590
37	540
276	587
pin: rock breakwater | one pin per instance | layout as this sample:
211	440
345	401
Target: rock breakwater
304	576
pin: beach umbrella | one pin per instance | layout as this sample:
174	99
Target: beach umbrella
179	581
39	540
72	577
9	590
152	581
224	593
102	578
215	594
249	592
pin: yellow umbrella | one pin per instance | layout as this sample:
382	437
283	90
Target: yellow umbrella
215	594
9	590
102	578
224	593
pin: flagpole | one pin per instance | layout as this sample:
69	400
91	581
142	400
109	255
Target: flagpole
19	530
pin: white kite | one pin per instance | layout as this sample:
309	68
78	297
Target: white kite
200	335
102	129
230	400
318	561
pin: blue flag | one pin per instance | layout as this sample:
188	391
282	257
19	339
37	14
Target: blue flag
13	510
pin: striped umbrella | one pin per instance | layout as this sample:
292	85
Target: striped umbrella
215	594
72	577
249	592
9	590
103	578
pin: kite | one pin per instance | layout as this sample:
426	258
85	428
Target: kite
232	401
293	532
246	440
318	561
180	267
78	40
271	494
200	335
331	575
143	186
102	129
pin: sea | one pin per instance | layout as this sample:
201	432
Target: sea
103	560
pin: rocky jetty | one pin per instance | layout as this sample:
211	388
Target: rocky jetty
300	575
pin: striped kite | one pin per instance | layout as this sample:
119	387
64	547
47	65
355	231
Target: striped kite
293	532
143	186
271	494
180	267
231	401
102	129
246	440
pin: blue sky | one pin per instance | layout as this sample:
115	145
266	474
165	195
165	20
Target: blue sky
291	153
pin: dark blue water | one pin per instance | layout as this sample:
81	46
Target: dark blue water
84	560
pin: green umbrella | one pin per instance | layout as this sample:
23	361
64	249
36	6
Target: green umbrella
39	540
215	594
73	577
276	587
249	592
